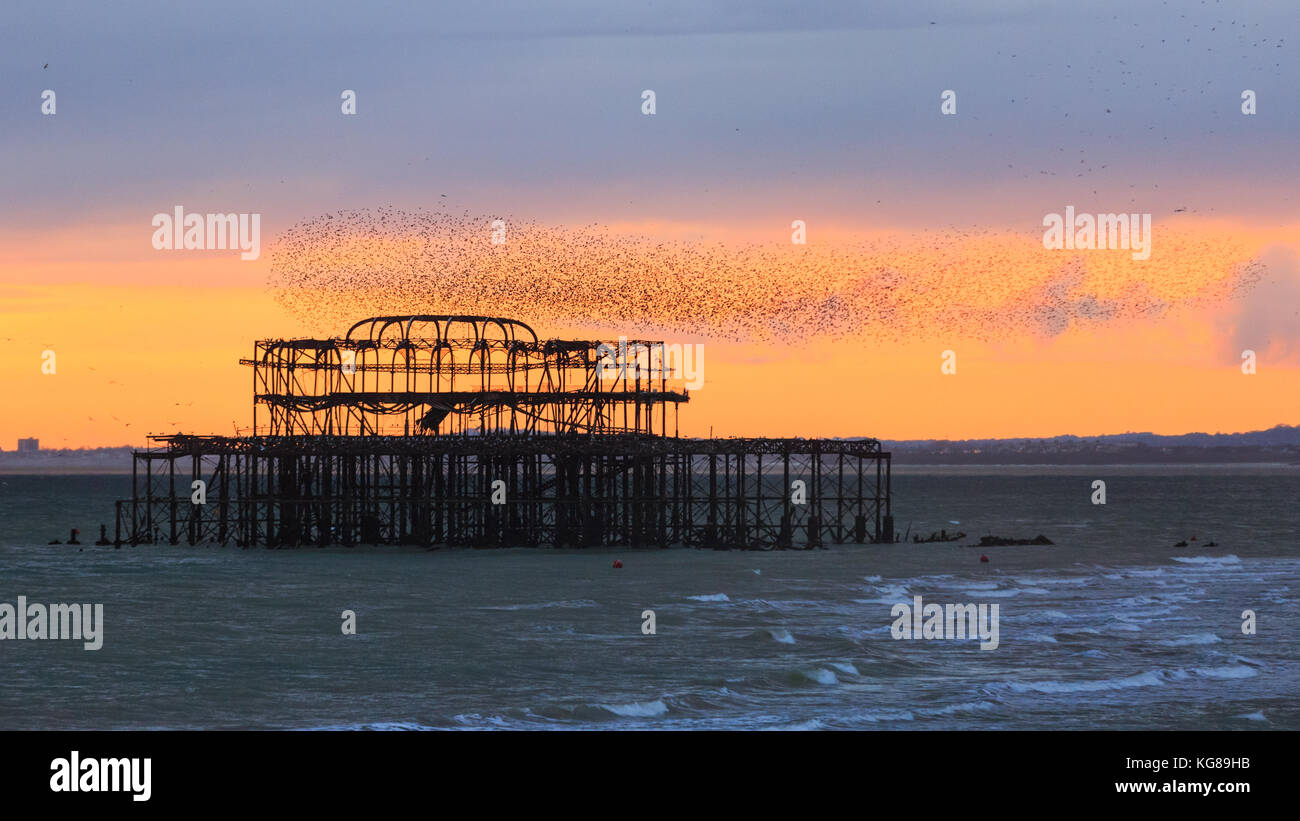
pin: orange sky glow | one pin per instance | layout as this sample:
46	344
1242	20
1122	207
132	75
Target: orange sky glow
149	342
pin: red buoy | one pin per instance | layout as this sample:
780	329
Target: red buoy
617	563
984	558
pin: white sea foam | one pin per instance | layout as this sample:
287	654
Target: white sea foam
1073	581
781	636
638	709
888	594
821	676
383	726
475	719
964	707
1125	626
800	726
1229	559
710	597
1256	716
1194	638
1152	678
887	715
1007	593
1231	671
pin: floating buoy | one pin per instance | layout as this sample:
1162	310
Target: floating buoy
617	563
984	558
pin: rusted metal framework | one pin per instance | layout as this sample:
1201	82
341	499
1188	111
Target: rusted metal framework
439	430
448	375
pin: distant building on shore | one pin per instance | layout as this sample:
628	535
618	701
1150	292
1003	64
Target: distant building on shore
29	445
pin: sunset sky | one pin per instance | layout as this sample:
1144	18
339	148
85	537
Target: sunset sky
826	113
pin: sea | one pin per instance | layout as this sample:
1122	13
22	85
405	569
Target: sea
1111	627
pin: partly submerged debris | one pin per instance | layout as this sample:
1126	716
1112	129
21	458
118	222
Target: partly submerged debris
1002	541
941	536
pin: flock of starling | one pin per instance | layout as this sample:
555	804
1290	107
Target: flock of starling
337	268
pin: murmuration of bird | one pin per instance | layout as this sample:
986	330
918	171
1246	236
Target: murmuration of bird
977	284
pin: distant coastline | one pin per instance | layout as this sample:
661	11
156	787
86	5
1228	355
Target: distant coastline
1090	454
1279	445
68	461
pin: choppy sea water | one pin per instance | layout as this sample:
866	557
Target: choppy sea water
1113	627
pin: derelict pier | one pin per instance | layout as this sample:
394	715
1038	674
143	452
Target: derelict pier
469	431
